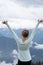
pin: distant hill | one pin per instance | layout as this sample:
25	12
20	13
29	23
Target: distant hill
7	45
38	37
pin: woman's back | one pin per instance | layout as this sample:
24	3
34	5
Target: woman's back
24	51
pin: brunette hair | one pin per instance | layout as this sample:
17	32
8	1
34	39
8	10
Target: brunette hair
25	33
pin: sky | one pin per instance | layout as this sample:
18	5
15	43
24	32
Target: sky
21	13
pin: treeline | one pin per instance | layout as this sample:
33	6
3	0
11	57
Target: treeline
37	63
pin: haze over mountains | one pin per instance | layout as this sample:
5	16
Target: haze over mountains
38	37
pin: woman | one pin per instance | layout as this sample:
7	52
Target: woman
24	56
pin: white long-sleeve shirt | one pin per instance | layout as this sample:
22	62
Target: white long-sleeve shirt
23	47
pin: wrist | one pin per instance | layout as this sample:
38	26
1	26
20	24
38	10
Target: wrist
39	21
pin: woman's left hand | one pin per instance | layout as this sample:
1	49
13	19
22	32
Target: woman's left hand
40	20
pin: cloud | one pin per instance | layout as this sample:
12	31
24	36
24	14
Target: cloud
39	46
28	3
14	53
20	24
10	10
36	45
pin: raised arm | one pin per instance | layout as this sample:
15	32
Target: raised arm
33	32
14	34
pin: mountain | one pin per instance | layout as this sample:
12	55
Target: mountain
38	37
37	54
8	44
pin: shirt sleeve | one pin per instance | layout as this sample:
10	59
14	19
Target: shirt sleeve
32	34
14	34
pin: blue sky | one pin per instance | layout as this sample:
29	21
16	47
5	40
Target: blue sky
21	12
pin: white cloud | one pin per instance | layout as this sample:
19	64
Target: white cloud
15	53
4	63
39	46
36	45
21	15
